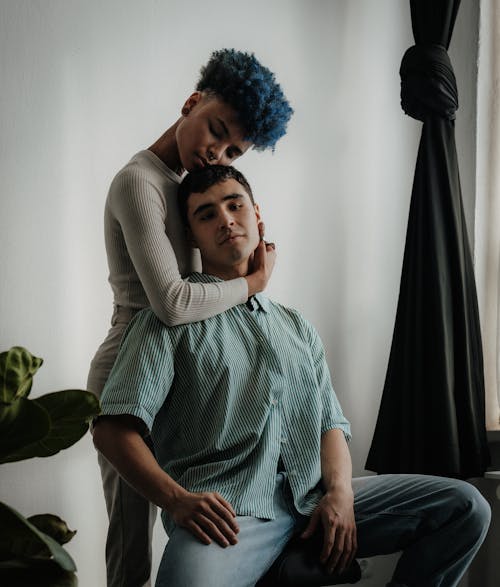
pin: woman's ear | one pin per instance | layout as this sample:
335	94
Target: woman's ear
191	102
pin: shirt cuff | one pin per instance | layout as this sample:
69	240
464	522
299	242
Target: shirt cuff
130	410
346	429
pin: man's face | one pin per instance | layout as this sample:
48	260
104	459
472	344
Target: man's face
209	133
224	226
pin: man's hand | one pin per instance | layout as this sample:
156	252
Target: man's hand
206	515
336	515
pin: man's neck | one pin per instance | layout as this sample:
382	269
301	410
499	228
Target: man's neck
226	273
165	148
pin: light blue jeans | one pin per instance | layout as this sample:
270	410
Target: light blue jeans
437	523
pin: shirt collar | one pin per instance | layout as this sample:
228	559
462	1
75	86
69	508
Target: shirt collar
262	300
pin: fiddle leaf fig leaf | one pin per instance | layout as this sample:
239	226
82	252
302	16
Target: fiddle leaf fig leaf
22	423
53	526
21	542
17	367
70	412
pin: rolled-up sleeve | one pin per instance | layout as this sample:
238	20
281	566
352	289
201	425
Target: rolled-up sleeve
141	377
332	416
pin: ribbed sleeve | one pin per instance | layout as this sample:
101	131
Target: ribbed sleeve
145	245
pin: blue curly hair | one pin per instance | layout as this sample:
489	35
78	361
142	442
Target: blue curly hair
251	89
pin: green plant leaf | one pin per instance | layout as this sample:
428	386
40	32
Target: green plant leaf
22	423
70	412
22	543
17	367
53	526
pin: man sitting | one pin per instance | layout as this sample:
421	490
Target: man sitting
250	439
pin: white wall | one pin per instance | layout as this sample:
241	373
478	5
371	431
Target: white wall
87	84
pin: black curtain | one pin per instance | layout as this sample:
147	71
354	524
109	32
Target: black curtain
431	418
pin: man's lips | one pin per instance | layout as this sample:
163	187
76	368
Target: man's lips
230	238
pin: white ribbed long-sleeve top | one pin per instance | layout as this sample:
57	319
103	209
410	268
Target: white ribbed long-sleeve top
148	252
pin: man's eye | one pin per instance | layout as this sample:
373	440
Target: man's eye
207	216
235	206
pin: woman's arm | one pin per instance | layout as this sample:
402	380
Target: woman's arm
140	211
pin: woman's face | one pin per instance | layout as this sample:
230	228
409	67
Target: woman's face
209	133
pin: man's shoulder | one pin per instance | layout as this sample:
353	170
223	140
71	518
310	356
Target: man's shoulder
292	315
145	324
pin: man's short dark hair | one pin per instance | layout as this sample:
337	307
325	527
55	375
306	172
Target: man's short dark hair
200	180
251	89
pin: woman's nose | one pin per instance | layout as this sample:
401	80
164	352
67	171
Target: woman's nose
215	154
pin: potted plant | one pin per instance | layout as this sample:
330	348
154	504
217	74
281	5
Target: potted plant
31	551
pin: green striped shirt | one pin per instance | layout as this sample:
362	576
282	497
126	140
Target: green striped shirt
227	397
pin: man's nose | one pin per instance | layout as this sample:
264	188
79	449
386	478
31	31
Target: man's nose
226	219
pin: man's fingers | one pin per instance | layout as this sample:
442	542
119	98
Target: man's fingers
217	529
336	551
223	509
223	527
220	514
354	546
225	503
343	550
328	541
311	526
345	555
208	516
197	532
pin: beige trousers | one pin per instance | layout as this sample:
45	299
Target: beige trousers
131	517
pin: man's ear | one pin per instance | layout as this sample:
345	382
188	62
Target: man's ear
191	102
257	212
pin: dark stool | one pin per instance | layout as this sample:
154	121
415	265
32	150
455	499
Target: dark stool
298	566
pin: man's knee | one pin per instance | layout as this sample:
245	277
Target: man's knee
476	510
480	509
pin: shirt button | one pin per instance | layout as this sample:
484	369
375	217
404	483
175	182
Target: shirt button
283	439
294	472
274	402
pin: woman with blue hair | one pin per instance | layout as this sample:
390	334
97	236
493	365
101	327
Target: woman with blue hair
237	105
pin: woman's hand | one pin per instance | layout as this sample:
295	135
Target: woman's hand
262	266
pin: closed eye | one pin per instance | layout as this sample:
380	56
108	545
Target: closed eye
216	134
234	152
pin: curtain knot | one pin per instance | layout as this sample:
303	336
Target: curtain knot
428	85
